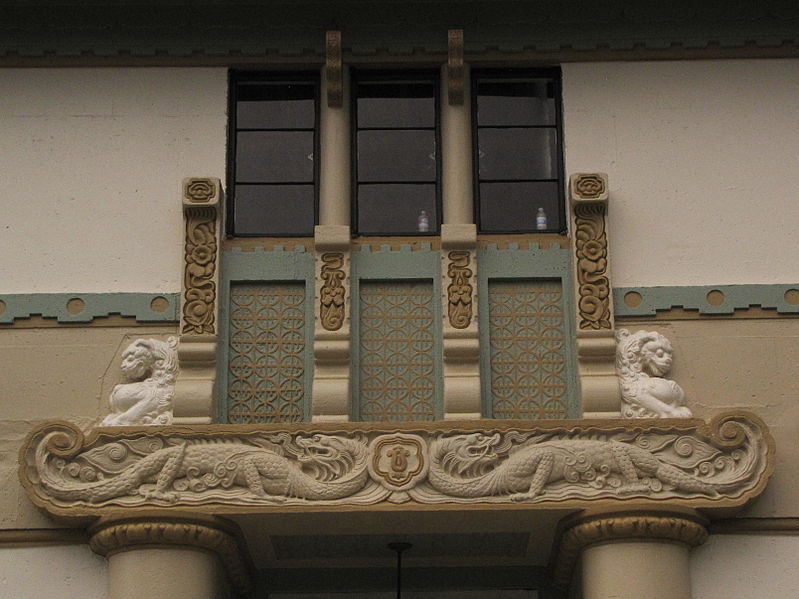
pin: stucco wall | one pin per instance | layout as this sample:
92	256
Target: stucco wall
57	571
92	165
701	156
745	566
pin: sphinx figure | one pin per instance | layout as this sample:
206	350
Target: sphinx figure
642	359
151	367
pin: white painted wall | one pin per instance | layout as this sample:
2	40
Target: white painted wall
92	162
56	571
746	567
701	156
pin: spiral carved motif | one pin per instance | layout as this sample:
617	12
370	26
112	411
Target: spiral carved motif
592	251
200	268
459	291
332	294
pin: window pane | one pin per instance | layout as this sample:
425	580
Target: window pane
509	207
396	155
396	105
517	153
396	209
274	210
510	103
274	156
270	106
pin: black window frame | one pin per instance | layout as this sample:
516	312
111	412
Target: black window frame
235	77
358	76
522	73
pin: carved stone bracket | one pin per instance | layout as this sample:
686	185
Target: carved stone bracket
455	67
239	469
109	537
596	345
676	528
199	305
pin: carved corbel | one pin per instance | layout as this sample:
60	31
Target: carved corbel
194	390
596	344
334	69
455	67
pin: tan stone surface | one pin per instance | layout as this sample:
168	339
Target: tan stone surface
743	364
61	373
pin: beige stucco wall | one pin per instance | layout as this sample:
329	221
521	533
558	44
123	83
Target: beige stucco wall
92	166
745	567
48	572
701	156
743	364
58	373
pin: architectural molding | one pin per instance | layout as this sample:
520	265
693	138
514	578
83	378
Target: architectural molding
706	300
623	527
112	536
745	526
194	390
239	469
596	343
84	308
29	537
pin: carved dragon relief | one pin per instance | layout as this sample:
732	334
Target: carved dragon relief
723	463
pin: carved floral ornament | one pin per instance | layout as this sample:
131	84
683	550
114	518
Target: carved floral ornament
459	291
332	293
223	469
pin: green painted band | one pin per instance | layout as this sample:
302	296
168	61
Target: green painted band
14	306
726	299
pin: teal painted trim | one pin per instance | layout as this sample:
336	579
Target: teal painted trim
54	305
260	265
550	264
405	264
695	298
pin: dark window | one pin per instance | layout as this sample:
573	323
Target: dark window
395	153
517	138
273	142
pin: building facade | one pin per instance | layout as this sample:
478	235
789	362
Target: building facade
510	282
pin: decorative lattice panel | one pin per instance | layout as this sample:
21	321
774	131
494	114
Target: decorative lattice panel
396	372
266	372
528	349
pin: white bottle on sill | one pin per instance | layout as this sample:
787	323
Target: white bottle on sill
541	220
423	223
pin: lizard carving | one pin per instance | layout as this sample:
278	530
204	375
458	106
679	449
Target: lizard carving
478	465
317	467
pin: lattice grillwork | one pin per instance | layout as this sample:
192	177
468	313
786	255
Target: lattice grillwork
528	349
266	371
397	366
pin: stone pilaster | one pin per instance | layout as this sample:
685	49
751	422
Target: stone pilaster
199	305
171	556
596	343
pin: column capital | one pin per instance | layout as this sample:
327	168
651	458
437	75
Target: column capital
113	535
686	528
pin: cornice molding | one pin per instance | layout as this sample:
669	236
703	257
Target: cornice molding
623	527
110	537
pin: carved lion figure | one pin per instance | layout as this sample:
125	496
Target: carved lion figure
151	366
642	359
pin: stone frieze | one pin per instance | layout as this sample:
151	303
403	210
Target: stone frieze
224	469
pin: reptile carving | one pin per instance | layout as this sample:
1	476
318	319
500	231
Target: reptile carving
315	467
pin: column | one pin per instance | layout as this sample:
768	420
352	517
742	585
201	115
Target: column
331	381
630	556
197	558
461	342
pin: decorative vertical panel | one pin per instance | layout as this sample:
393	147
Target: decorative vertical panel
266	371
527	349
397	374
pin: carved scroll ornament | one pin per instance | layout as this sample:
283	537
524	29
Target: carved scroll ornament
332	294
592	252
642	359
459	291
723	463
200	288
